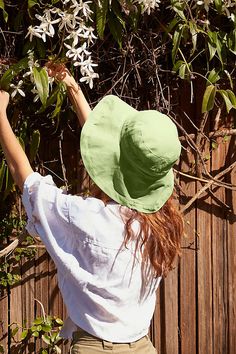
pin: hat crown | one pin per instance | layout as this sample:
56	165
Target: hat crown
149	143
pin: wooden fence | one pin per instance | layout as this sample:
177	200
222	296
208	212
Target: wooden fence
196	303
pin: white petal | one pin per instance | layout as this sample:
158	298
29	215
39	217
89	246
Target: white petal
21	92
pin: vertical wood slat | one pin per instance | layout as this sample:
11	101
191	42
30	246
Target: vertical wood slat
218	274
15	309
4	318
231	231
155	330
218	257
204	271
187	296
170	312
28	296
41	286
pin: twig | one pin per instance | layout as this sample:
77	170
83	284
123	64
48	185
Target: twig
208	185
13	245
216	134
63	168
205	180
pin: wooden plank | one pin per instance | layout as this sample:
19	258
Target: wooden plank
170	314
219	262
28	296
155	327
41	288
187	269
231	250
204	271
4	318
15	309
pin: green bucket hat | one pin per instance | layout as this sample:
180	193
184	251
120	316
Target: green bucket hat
129	154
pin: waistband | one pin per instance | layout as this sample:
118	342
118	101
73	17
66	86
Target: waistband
81	334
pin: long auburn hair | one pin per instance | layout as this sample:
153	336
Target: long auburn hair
159	234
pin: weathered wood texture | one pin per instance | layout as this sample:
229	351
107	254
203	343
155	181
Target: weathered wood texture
196	303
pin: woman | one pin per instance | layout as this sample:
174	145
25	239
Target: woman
112	249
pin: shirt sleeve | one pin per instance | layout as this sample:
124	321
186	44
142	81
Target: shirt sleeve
47	209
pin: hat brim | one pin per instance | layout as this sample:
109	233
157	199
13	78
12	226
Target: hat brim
100	151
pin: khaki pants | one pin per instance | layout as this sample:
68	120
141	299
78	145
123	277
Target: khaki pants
85	343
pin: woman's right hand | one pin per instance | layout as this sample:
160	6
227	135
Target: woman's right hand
61	73
4	100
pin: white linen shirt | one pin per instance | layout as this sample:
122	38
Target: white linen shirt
100	279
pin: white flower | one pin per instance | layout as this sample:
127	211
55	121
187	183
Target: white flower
31	64
35	91
68	21
86	65
82	7
148	5
76	53
33	31
17	89
43	28
75	35
89	77
87	33
47	22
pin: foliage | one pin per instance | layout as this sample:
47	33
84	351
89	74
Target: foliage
45	328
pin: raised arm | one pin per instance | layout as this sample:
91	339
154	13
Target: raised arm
17	160
75	93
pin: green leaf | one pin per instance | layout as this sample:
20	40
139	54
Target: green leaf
226	99
46	339
194	32
34	146
14	70
176	41
59	321
32	3
116	8
101	17
182	71
232	97
9	186
2	173
5	14
178	7
14	331
35	334
212	44
33	328
44	351
21	141
231	41
213	76
208	98
61	94
46	327
24	334
230	79
218	5
214	145
38	320
41	82
116	29
219	47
